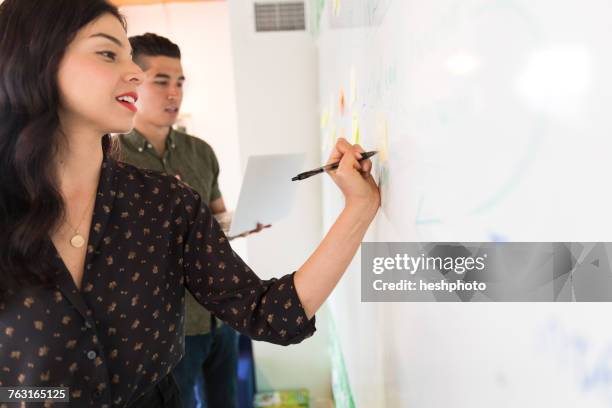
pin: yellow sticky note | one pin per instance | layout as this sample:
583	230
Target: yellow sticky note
336	7
383	138
324	119
356	130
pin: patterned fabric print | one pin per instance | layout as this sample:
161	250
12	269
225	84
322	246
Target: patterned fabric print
113	340
195	163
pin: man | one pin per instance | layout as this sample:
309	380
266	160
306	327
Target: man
208	371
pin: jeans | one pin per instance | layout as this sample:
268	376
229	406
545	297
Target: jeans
208	373
165	394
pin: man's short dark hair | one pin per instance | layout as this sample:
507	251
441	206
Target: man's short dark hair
152	45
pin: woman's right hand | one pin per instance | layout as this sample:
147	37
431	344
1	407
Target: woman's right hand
354	178
316	279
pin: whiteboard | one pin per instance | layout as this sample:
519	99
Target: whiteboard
493	119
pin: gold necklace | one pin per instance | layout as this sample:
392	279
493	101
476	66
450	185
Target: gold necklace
77	240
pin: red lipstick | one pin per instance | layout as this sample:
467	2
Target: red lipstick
128	100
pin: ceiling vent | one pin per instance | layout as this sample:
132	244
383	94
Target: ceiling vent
280	16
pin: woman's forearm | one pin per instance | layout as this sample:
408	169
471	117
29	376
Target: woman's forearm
315	280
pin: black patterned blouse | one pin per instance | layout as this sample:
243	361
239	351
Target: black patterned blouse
113	340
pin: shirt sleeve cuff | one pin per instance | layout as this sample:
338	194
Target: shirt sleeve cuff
297	327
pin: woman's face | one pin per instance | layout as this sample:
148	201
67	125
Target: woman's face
98	79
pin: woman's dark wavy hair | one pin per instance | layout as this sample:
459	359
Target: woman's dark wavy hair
34	35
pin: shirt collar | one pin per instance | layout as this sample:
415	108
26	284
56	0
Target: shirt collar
141	142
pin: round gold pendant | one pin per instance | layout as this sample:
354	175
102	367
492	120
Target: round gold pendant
77	241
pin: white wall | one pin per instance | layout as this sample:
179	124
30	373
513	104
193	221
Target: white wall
277	99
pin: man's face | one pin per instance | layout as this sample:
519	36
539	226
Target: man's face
161	94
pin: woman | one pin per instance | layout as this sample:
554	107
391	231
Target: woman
95	255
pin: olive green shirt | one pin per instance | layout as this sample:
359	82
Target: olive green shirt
195	163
